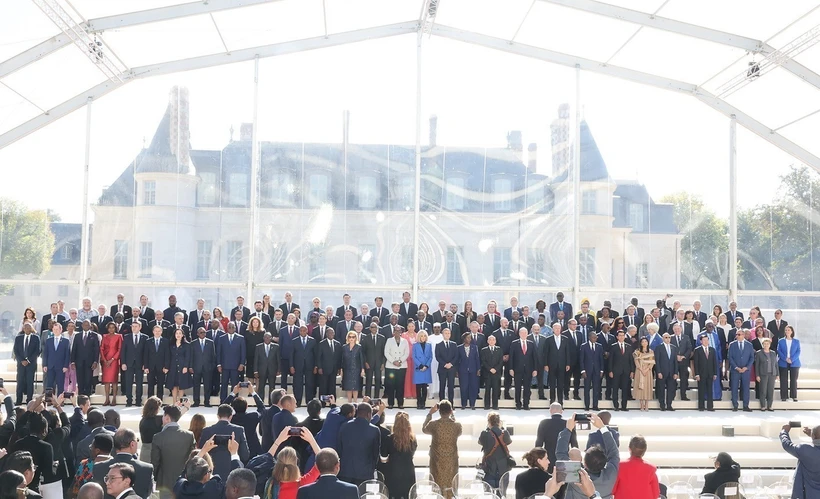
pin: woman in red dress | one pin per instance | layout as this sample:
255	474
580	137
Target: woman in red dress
410	336
218	315
110	347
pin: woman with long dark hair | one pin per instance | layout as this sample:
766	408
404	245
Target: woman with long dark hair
643	386
110	347
179	376
150	425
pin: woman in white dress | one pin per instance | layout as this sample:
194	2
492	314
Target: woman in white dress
434	339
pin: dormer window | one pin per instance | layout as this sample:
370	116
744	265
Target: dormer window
454	193
636	220
502	194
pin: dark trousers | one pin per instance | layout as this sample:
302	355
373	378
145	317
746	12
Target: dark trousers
741	380
25	382
230	377
665	391
539	381
788	382
610	382
468	386
592	383
303	385
131	377
327	384
447	379
216	382
55	378
421	395
84	373
523	380
620	382
558	383
575	371
373	382
268	379
705	387
492	390
284	367
203	377
683	376
508	380
155	378
394	386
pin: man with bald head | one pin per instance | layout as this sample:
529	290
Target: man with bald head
549	429
91	490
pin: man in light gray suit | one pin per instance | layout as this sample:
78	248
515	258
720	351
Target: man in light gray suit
170	450
266	364
96	421
125	446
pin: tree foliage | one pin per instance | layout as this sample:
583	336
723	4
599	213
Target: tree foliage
26	240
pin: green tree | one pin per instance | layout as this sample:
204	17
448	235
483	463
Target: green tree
705	245
26	241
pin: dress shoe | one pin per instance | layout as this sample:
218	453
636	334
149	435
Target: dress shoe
196	404
710	410
495	407
517	407
663	409
685	399
472	408
526	408
734	409
670	409
746	409
624	410
701	410
770	409
595	409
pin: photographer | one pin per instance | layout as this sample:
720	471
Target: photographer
807	475
496	458
198	480
601	463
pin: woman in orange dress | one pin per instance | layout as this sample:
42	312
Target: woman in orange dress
110	347
410	336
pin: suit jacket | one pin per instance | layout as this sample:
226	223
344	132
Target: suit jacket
491	323
132	355
163	324
125	311
621	363
169	313
30	353
328	486
230	355
157	358
359	444
684	349
777	332
101	321
447	355
285	343
703	367
44	321
144	484
246	313
596	438
520	361
558	356
364	319
490	360
637	479
546	436
61	357
508	312
83	448
382	313
342	328
43	455
304	357
288	308
746	358
454	327
592	359
126	325
424	326
467	365
88	352
409	309
439	316
554	308
578	338
730	317
263	316
373	349
783	353
664	364
241	327
503	338
220	454
540	350
249	421
194	318
266	365
203	360
318	334
700	318
330	361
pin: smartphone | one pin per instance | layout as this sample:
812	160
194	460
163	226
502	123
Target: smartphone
323	398
794	424
244	384
295	431
376	402
49	395
1	382
568	471
183	400
222	440
68	395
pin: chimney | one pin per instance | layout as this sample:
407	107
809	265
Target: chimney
532	158
246	132
433	130
515	144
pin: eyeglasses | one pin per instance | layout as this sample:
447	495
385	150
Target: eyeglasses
108	478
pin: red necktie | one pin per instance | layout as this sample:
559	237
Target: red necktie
524	347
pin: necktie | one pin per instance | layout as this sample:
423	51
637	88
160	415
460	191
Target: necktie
741	347
25	344
136	339
85	337
56	343
331	348
623	350
561	306
474	338
156	341
535	337
230	339
304	341
668	351
202	345
593	347
267	350
524	347
706	351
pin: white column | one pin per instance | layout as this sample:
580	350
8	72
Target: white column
417	205
84	243
254	228
576	189
733	208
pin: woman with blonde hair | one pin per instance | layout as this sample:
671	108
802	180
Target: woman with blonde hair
352	367
196	426
422	376
286	478
399	449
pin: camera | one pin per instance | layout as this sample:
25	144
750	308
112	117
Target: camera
183	400
49	395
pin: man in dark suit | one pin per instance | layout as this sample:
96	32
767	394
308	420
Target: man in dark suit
492	364
700	315
197	315
578	337
508	312
266	364
240	306
26	351
705	365
741	359
157	360
522	368
276	323
125	448
559	357
170	449
451	324
303	368
621	370
359	444
230	359
548	430
258	312
666	369
407	309
364	316
373	350
132	356
468	364
637	312
447	358
733	313
327	462
597	438
160	321
503	338
41	451
53	316
120	307
684	347
287	307
422	324
441	313
286	335
220	455
560	305
238	323
329	362
777	326
345	325
146	312
101	319
540	344
321	329
203	362
491	318
85	356
592	369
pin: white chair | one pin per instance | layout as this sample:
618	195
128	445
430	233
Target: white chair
369	495
504	485
751	483
708	496
679	490
424	489
731	490
372	487
473	489
424	476
779	490
464	475
697	481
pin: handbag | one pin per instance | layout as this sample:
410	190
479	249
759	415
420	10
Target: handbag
510	461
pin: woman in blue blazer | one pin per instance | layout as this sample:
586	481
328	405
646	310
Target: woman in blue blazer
422	375
788	360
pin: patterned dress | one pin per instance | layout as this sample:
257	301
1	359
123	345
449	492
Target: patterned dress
443	450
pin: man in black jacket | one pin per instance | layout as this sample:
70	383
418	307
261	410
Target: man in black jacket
266	363
156	361
85	356
522	368
447	356
548	430
558	357
621	370
359	443
41	451
373	349
132	355
666	369
125	447
329	362
203	362
26	351
492	364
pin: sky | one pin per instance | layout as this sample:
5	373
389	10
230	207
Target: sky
668	141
